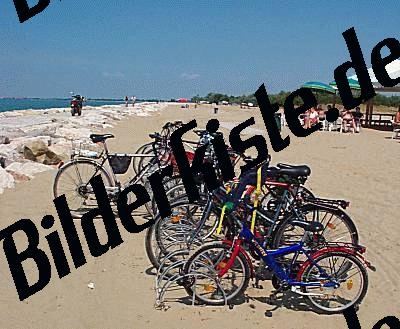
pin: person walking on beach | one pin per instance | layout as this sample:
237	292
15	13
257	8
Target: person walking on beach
126	101
133	99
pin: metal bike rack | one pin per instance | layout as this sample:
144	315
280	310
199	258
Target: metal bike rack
170	274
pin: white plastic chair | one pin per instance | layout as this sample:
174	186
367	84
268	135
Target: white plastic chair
348	126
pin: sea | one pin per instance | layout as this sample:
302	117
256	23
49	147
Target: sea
10	104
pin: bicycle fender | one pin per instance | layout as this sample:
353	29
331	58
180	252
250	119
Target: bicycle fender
328	250
244	253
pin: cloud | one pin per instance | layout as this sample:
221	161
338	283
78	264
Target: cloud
190	76
113	75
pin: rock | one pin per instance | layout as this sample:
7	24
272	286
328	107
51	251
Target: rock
49	158
62	150
28	168
6	180
19	143
9	154
72	133
19	177
2	162
4	140
48	129
33	150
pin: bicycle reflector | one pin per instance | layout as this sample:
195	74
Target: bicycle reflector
208	288
175	219
331	226
349	284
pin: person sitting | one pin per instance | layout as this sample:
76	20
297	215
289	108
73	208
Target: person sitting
348	119
396	124
311	118
357	115
397	117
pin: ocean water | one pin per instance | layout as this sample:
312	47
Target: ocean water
9	104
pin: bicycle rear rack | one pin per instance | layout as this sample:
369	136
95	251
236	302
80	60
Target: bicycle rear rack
328	202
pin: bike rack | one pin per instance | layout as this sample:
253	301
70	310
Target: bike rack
169	275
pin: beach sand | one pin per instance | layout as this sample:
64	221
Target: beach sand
362	168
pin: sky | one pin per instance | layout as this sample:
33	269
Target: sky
170	49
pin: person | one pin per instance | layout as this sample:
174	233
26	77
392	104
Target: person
321	113
397	117
348	119
126	101
133	99
357	115
311	118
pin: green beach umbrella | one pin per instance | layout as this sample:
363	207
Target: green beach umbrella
319	86
352	83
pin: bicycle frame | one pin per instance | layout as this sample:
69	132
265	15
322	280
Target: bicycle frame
269	257
136	178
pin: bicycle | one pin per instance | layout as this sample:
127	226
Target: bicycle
226	270
270	226
72	178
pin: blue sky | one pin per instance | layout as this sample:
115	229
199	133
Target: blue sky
174	49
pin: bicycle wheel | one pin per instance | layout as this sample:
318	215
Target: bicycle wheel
274	196
340	268
187	225
338	226
141	150
169	184
153	237
204	281
151	247
72	180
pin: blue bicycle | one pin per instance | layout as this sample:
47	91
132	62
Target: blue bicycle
333	276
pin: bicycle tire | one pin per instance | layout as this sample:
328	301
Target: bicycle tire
363	272
242	261
104	173
136	160
339	213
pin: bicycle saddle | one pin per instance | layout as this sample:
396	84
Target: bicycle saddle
96	138
156	136
167	125
308	226
294	171
248	159
199	132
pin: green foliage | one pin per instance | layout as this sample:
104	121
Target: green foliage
322	98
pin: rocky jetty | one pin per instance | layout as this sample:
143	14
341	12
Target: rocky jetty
33	141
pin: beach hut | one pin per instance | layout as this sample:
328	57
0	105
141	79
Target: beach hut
393	70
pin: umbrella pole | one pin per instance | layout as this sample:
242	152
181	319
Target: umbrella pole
371	111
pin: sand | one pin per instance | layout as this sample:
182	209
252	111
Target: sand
362	168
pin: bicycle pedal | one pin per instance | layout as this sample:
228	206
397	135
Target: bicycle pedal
268	314
257	286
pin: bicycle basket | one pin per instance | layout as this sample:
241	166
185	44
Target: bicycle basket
87	149
119	163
